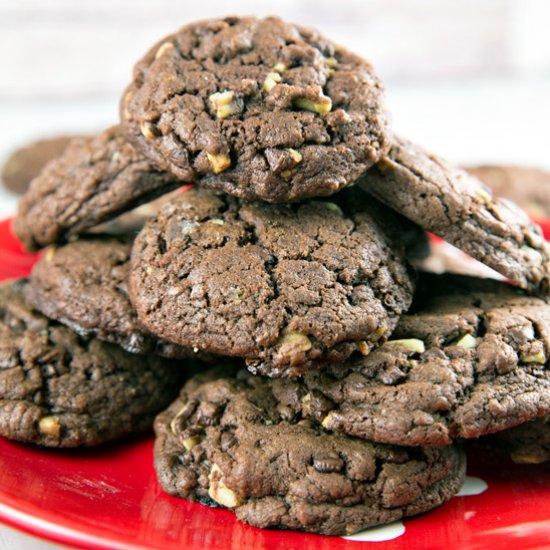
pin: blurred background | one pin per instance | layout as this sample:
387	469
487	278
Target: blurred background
469	79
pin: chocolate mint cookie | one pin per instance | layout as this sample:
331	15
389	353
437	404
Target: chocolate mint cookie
26	163
227	441
528	443
471	359
59	390
454	205
93	181
84	286
528	187
288	287
257	108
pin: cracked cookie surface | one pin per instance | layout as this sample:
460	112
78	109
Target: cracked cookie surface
94	180
84	286
257	108
59	390
228	441
287	287
457	207
470	359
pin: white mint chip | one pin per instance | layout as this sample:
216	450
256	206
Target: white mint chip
472	486
378	534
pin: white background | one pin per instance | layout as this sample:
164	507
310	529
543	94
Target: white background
469	79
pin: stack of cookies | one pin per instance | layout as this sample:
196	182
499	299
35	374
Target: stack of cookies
340	378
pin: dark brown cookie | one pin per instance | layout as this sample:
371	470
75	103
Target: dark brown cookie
528	443
527	187
227	441
257	108
24	164
288	287
457	207
93	181
471	359
84	286
59	390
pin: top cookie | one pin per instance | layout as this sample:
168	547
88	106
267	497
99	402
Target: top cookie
257	108
528	187
94	180
457	207
288	287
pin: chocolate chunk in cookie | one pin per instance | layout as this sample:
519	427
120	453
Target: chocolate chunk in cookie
24	164
527	187
59	390
257	108
84	286
94	180
228	441
290	287
471	359
457	207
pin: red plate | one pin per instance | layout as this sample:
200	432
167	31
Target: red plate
109	498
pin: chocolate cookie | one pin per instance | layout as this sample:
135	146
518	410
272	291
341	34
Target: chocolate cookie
227	441
257	108
471	359
455	206
93	181
288	287
528	443
527	187
84	286
24	164
59	390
